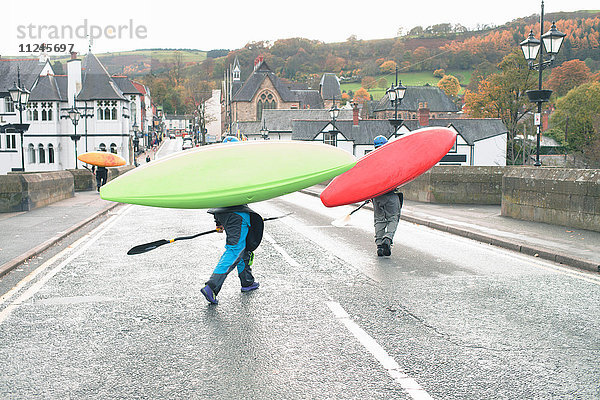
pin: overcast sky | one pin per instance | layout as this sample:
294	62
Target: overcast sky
231	24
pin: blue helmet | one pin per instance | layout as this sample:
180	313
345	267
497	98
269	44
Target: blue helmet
379	141
230	139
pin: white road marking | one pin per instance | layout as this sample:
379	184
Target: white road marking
406	382
91	238
411	386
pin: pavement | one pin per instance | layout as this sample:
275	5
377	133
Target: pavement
26	234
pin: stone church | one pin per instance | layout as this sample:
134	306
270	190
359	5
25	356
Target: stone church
263	90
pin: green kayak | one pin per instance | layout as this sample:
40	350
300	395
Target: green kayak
229	174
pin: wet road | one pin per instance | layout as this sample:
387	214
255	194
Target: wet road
444	317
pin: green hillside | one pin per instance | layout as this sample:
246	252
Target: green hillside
409	79
142	62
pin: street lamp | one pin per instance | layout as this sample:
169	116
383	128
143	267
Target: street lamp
20	97
396	94
136	139
334	112
73	114
331	137
264	132
532	50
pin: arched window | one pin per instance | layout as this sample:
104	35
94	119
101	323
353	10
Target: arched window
113	148
41	153
266	101
114	113
31	152
50	154
102	147
107	113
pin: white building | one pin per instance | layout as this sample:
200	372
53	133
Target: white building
178	124
212	111
109	106
479	141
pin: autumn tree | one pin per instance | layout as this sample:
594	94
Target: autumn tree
388	67
502	95
439	73
567	76
577	117
450	85
361	95
382	83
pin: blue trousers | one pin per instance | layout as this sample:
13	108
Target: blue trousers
236	226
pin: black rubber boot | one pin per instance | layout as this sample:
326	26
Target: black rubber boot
387	247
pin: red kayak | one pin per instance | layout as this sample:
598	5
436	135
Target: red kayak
392	165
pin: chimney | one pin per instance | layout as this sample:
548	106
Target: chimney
73	78
355	114
257	62
423	114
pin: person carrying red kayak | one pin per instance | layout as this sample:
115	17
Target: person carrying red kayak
386	208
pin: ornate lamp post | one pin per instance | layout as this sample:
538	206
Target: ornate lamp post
532	50
264	132
334	112
20	97
74	115
396	94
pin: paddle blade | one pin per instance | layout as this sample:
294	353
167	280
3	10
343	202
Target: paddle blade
142	248
341	221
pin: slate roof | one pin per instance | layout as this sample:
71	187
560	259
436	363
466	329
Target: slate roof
29	70
96	82
308	98
47	89
280	120
330	86
248	127
289	91
253	83
62	82
235	87
471	129
125	85
437	100
362	134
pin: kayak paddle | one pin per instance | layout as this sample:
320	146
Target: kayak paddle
346	219
143	248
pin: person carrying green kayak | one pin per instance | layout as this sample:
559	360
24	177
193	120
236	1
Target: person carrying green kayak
244	229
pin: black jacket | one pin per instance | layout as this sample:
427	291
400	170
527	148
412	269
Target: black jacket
257	225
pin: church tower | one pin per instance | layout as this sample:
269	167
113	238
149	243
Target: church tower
236	70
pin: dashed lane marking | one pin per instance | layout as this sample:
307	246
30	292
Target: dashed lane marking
414	390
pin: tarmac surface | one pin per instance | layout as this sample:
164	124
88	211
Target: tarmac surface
26	234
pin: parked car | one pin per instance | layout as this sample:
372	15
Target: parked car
187	144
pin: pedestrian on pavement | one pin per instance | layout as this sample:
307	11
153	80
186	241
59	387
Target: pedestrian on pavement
244	229
386	213
101	176
148	158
